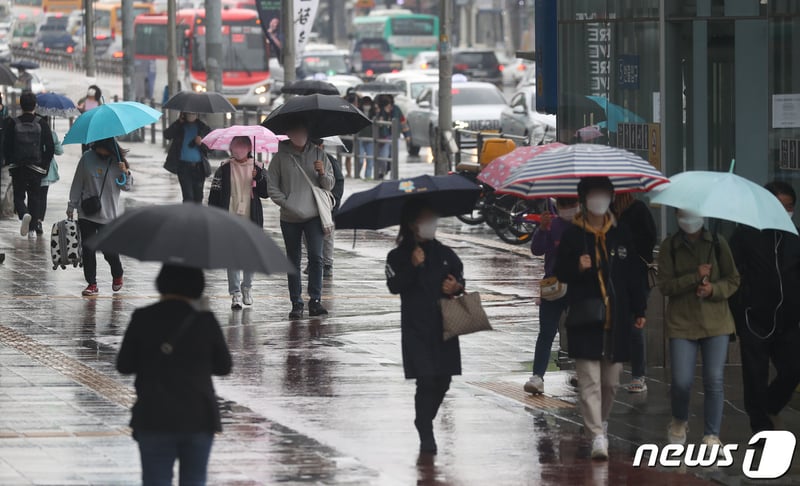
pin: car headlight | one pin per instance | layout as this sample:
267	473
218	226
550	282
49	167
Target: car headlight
198	88
261	89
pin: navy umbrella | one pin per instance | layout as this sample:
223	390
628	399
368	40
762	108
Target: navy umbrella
381	206
53	104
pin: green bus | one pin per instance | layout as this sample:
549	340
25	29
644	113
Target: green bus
407	33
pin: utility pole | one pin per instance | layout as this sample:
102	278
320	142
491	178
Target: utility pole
128	71
289	66
88	31
441	160
213	22
172	49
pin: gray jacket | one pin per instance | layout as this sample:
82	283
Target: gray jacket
287	186
87	183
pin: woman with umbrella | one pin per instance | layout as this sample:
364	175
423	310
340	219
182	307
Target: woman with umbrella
597	260
422	271
237	186
101	174
187	156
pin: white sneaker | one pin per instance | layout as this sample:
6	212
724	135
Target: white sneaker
236	301
600	448
712	440
676	431
25	225
535	385
247	296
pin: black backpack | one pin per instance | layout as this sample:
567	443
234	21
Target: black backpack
28	141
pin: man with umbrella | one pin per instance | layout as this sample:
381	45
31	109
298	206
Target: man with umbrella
187	157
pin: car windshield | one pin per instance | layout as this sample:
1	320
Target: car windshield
482	60
418	88
477	96
241	51
325	64
24	30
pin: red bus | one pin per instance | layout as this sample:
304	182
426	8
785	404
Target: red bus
245	66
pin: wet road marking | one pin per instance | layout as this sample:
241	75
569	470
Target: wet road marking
59	434
514	391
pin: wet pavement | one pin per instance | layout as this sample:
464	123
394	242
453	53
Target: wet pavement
317	401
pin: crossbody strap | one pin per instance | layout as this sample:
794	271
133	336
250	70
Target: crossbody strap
303	172
105	178
168	346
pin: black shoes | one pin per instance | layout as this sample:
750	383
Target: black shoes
39	229
428	446
297	311
327	271
315	309
427	443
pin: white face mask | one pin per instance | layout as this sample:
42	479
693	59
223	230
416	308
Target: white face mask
191	117
567	214
299	139
598	205
427	230
690	224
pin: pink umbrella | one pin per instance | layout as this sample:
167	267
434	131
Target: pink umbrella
592	132
264	139
498	170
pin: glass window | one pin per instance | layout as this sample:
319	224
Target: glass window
150	39
477	96
412	26
784	72
240	52
314	64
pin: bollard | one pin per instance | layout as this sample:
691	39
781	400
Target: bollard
153	125
395	148
357	162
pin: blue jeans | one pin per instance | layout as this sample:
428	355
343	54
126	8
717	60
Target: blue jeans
384	152
683	356
293	239
366	149
235	284
158	451
549	315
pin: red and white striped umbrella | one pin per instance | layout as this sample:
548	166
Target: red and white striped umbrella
263	138
498	170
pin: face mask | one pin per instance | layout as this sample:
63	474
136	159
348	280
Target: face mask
191	117
567	214
367	107
427	230
239	153
299	140
598	205
690	224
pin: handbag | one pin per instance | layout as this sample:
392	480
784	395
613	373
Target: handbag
551	289
652	273
324	199
586	313
92	205
463	315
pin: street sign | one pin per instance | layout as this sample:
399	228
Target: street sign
628	72
789	158
641	137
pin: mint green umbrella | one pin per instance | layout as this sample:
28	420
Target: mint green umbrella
724	195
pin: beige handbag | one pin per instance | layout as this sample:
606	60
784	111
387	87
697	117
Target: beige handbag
463	315
551	289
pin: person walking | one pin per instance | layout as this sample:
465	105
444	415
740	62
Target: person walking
28	149
366	143
766	312
187	156
422	271
696	272
51	178
99	177
93	99
637	217
545	243
174	350
238	186
338	193
297	166
596	260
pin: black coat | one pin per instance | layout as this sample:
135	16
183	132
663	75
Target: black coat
338	181
175	133
220	192
623	283
174	393
425	352
768	261
643	229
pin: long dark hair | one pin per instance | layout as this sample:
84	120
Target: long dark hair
410	214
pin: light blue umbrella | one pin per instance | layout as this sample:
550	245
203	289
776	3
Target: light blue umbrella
724	195
110	120
616	114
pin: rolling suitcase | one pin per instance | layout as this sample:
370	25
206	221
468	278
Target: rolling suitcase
65	244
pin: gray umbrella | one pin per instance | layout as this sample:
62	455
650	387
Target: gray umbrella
192	235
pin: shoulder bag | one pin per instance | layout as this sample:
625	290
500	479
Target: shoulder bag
324	199
463	315
551	289
92	205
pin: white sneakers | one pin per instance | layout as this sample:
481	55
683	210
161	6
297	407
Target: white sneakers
600	448
25	225
676	431
236	301
247	296
241	299
535	385
712	440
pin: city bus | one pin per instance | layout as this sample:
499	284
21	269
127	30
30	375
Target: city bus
406	33
245	67
108	17
51	6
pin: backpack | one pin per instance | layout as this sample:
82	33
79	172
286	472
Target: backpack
28	141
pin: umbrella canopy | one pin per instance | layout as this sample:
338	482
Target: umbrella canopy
192	235
53	104
724	195
264	139
498	170
615	114
382	205
309	87
376	88
24	64
323	115
110	120
589	133
556	173
7	76
191	102
334	142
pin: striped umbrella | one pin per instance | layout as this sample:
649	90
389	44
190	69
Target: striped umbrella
556	173
498	170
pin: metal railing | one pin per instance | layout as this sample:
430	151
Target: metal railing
74	61
377	142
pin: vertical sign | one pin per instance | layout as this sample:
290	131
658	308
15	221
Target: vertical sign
305	11
789	158
654	153
598	53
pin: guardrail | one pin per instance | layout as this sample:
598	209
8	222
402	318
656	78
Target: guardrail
68	61
361	158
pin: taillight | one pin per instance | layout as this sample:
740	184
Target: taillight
46	49
395	71
500	67
461	67
70	49
369	72
25	45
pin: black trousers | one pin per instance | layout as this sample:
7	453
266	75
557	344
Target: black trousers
27	184
430	394
762	397
89	229
42	202
192	177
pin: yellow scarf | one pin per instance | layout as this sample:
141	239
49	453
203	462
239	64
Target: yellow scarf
600	253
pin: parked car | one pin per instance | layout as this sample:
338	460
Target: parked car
521	119
478	65
476	105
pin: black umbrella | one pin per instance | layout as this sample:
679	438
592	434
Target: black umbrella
323	115
377	88
309	87
7	76
192	235
381	206
25	64
192	102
